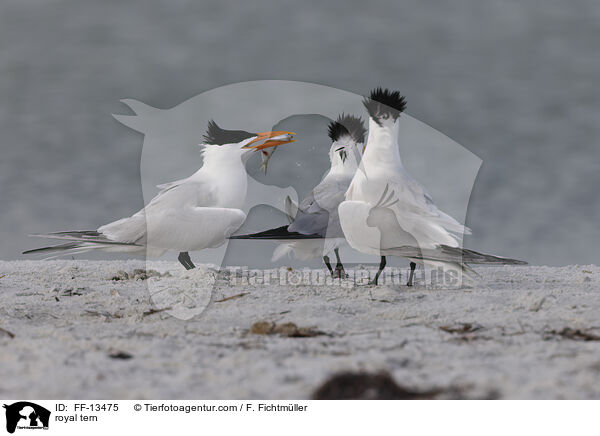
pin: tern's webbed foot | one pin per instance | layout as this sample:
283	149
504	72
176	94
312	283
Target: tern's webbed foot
339	268
339	272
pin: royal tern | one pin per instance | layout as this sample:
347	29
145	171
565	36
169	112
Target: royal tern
315	229
387	212
191	214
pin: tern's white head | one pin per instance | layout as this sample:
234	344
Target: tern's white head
384	108
347	134
230	144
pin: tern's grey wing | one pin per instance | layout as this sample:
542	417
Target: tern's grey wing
318	211
331	192
310	223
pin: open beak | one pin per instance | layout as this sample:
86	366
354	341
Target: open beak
272	139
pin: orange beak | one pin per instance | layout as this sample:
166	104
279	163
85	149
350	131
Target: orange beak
272	139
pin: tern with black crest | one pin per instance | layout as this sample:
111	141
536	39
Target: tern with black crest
386	212
314	230
191	214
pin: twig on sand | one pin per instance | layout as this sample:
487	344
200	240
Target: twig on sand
575	334
377	300
70	292
104	313
120	355
465	327
6	332
537	306
2	276
232	297
288	329
153	311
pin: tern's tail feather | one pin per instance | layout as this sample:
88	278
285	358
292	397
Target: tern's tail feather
471	256
458	255
279	233
54	248
75	235
80	242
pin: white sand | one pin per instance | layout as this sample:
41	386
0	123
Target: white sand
62	343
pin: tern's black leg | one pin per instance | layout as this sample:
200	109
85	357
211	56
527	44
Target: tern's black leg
339	268
326	260
189	261
184	259
381	267
412	272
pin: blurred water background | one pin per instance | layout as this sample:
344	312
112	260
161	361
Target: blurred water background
515	82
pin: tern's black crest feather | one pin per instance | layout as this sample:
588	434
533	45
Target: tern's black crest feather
218	136
348	125
383	103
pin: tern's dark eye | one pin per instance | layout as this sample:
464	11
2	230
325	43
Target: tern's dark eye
343	154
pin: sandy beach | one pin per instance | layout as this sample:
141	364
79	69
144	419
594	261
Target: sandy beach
84	329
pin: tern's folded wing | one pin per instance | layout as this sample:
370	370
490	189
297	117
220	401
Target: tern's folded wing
415	200
193	228
372	230
173	199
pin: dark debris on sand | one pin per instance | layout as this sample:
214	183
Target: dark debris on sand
7	333
465	332
465	327
120	355
573	334
365	386
288	329
382	386
138	274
